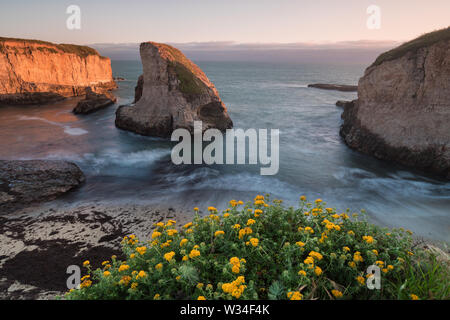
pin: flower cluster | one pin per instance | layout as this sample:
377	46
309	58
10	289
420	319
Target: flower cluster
258	250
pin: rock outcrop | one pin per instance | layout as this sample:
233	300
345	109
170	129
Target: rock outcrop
175	93
23	182
94	102
344	104
336	87
403	108
138	89
33	71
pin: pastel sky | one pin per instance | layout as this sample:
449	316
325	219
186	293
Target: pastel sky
245	21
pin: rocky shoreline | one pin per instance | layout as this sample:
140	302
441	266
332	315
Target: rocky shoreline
39	243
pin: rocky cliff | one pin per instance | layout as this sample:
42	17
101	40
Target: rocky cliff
403	108
33	71
173	93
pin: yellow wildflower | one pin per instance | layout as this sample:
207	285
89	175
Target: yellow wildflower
124	267
219	233
294	295
156	234
368	239
300	244
194	253
141	250
169	256
254	241
302	273
318	271
361	280
336	293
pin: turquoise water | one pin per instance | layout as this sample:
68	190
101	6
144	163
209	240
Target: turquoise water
124	167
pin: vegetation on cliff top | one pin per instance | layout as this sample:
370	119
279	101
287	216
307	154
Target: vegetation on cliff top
263	250
82	51
414	45
185	69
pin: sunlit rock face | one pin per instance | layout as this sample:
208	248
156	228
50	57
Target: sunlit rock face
403	107
33	72
172	93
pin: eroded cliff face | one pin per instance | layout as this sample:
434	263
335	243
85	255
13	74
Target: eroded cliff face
172	93
34	71
403	107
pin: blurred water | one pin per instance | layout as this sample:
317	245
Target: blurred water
124	167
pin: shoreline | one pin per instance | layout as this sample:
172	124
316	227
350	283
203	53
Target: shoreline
40	242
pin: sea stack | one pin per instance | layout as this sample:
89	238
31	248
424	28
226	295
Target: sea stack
172	93
403	109
33	71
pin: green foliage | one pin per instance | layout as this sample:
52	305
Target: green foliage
414	45
188	82
262	250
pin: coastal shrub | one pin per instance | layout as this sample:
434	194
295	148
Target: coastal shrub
262	250
423	41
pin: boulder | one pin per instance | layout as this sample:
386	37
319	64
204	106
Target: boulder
23	182
403	109
175	93
94	101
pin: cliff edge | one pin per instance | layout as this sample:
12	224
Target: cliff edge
33	71
403	109
172	93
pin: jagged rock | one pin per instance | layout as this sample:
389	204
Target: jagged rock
175	93
343	103
337	87
403	108
93	102
27	181
35	72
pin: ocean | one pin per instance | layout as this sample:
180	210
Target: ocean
122	167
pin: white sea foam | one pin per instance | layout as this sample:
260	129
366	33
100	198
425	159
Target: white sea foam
67	129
